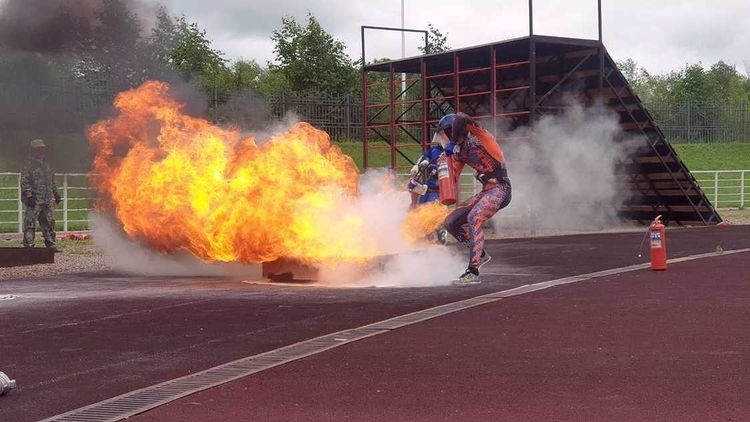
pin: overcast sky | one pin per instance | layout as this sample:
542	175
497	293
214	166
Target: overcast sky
660	35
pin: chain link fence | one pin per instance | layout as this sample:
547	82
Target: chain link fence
703	122
68	106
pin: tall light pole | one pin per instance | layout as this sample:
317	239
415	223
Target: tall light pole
403	52
403	34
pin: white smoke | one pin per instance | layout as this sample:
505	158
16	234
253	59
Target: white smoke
384	208
418	267
564	178
128	256
382	205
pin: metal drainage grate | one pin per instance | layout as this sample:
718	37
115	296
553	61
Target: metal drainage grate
139	401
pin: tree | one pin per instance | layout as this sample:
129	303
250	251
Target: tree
272	82
436	41
114	52
311	59
726	83
194	58
164	36
192	54
690	84
246	74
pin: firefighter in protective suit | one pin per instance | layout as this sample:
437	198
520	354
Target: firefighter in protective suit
469	144
423	184
39	195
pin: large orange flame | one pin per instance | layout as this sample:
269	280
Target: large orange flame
177	182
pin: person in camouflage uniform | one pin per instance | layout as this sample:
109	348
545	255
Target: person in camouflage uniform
39	195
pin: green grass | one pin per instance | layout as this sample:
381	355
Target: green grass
724	156
720	156
377	157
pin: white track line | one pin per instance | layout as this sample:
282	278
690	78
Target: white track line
141	400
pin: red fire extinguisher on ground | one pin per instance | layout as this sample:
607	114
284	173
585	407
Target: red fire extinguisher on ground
446	181
657	234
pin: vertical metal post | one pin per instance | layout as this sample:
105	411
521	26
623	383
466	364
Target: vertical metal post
392	89
216	105
362	33
365	132
403	34
456	82
601	51
493	90
531	17
532	81
599	9
348	116
716	189
365	120
425	107
20	204
65	203
403	54
742	189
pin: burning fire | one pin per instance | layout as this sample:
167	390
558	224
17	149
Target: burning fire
177	182
423	220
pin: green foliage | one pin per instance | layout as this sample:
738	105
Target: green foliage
693	83
273	81
311	59
193	57
437	42
246	74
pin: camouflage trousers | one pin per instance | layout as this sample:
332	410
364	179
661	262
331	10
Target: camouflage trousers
45	214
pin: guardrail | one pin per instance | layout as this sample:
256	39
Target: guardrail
725	188
71	214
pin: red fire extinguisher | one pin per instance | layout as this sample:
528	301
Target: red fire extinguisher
446	181
657	234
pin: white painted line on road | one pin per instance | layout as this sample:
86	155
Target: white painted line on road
139	401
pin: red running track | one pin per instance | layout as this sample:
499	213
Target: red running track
644	345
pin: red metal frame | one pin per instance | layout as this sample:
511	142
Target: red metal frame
507	85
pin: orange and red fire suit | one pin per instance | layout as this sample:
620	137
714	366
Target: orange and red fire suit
481	152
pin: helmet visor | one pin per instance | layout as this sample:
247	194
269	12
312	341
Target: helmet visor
440	137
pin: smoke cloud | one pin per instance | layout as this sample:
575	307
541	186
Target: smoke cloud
61	63
46	26
125	255
565	178
384	207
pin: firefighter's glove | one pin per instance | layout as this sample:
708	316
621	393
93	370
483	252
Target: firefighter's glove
414	170
420	189
57	198
423	164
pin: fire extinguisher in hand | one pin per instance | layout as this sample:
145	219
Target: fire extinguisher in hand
658	245
446	181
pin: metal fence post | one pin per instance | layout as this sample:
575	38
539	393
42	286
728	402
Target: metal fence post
65	203
348	117
742	189
716	189
20	205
